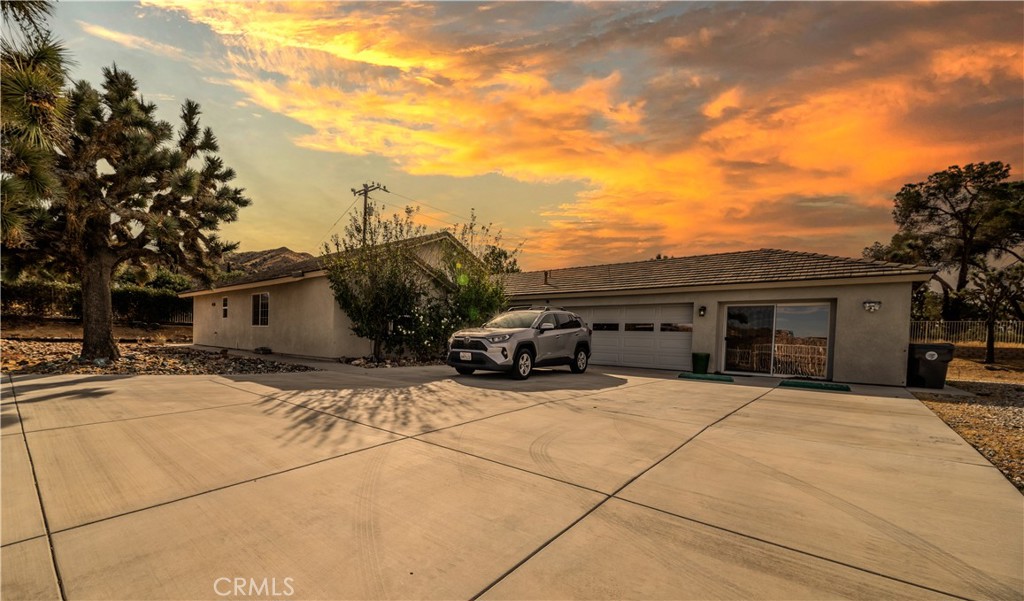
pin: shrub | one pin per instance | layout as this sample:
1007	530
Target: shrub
43	298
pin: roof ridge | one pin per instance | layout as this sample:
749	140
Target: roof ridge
641	261
864	260
316	262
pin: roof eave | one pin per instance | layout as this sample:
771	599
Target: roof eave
846	281
285	279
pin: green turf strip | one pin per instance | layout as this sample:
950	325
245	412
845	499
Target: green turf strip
713	377
814	385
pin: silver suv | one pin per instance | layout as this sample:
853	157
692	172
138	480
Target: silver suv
519	340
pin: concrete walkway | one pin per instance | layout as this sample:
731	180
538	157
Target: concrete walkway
409	483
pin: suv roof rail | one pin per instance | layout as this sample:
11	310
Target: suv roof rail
536	308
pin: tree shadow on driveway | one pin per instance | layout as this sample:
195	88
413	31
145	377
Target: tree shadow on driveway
541	380
408	409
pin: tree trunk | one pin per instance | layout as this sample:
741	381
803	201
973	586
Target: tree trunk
97	309
963	275
947	305
990	341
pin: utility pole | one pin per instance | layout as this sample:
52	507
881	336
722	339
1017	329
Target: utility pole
365	193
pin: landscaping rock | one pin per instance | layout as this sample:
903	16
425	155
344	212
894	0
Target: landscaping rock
23	357
992	421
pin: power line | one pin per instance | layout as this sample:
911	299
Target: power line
365	193
429	206
336	222
442	221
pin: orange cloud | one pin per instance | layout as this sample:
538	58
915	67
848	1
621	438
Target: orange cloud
675	156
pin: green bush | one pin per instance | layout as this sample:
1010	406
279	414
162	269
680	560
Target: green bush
151	305
42	298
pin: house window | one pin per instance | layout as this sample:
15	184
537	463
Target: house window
261	309
224	307
606	327
639	327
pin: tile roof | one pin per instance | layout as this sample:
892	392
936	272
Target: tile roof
745	267
302	267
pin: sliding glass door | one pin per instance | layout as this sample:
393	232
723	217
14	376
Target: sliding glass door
783	340
748	339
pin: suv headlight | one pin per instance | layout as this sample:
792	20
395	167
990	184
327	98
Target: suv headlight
498	338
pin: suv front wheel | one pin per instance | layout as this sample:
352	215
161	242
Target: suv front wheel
522	364
579	362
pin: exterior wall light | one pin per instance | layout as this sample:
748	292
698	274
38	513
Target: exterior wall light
702	311
872	306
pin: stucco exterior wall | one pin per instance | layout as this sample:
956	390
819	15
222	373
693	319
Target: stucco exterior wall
304	319
866	348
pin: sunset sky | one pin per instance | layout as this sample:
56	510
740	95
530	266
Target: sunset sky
593	132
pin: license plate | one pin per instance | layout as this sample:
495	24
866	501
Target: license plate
465	356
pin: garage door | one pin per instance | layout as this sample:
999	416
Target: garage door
658	336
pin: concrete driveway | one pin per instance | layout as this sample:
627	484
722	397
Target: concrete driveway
409	483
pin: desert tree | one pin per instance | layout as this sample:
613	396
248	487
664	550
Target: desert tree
32	79
998	292
375	275
134	190
956	220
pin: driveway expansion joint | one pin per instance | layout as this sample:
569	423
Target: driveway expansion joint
794	549
515	467
264	397
614	494
224	487
24	540
139	417
39	495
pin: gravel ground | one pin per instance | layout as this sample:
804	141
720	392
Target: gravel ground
992	421
23	357
27	328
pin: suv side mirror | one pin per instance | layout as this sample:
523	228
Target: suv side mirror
546	326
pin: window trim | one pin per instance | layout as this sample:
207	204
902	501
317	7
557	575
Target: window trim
639	326
675	327
258	310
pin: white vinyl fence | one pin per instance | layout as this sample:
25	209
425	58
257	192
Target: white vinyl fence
960	332
181	318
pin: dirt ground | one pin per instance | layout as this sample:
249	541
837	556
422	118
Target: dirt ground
14	328
992	420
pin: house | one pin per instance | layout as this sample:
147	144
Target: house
292	309
770	312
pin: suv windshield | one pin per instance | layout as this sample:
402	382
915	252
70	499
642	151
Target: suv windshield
513	319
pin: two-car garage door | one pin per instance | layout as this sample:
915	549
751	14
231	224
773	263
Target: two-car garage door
657	336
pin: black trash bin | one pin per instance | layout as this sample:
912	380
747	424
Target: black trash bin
700	362
927	364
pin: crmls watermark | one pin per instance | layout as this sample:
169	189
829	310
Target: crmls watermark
252	587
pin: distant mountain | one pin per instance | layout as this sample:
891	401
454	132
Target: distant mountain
256	261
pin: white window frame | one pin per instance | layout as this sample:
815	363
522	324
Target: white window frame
259	317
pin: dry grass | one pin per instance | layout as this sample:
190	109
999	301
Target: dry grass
992	420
